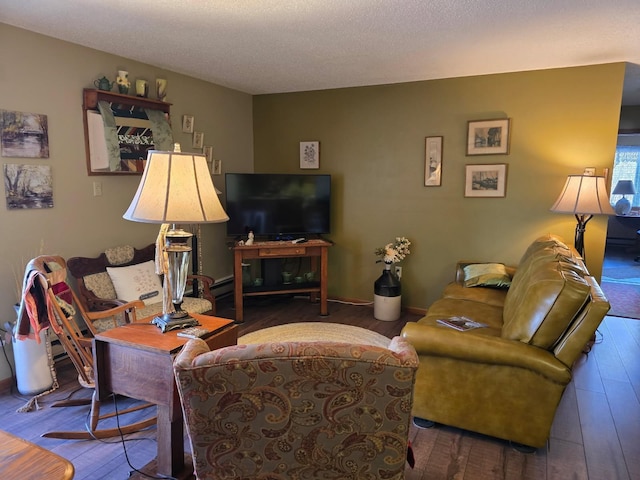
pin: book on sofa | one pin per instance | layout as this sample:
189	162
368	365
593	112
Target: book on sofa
460	323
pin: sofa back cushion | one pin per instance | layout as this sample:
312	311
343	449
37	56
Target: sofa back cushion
547	292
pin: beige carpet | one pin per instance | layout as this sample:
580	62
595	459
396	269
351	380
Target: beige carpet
315	332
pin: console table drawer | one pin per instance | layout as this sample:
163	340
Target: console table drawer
280	252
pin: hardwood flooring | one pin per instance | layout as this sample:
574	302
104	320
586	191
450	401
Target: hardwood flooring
596	434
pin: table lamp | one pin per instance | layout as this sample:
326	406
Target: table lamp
623	187
176	188
584	196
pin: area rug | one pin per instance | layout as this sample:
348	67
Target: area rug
623	295
315	332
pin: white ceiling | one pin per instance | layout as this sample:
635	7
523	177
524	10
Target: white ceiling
271	46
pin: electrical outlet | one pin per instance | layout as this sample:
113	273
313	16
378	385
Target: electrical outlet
97	189
399	272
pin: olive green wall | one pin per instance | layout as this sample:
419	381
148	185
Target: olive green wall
42	75
372	143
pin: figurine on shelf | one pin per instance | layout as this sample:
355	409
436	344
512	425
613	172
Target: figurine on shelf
250	239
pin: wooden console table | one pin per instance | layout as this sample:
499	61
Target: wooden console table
136	360
314	249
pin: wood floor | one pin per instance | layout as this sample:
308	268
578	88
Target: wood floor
596	434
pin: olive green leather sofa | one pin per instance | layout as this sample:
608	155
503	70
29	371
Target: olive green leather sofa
506	379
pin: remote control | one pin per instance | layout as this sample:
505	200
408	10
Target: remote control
193	332
299	240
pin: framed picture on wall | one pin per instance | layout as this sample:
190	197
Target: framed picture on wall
198	139
488	137
485	180
309	154
217	167
187	124
433	161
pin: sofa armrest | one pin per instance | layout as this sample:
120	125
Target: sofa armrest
430	340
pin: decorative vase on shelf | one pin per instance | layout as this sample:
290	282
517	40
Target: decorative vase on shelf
122	81
387	297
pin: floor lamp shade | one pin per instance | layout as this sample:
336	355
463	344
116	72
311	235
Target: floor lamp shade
176	188
584	196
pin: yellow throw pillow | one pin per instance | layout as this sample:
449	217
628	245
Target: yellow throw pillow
486	275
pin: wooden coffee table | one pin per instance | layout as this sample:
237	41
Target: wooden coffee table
136	360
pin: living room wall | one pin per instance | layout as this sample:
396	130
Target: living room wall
372	143
42	75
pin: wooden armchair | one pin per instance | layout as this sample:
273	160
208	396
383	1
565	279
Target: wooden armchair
97	292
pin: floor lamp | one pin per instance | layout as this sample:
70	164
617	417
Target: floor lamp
584	196
176	188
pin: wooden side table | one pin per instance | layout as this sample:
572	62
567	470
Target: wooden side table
136	360
20	458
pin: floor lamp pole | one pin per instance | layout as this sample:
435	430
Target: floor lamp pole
580	228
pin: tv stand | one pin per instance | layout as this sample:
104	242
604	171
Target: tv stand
315	249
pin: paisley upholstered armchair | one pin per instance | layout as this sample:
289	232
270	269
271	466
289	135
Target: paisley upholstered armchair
297	409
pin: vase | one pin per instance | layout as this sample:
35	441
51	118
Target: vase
123	82
387	296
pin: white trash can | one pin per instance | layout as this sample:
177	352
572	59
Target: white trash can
33	373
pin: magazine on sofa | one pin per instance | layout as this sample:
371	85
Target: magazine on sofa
460	323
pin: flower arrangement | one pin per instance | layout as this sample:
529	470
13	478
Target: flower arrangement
394	252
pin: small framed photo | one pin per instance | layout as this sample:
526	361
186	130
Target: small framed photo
309	154
590	171
433	161
187	124
488	137
485	180
198	140
217	167
208	153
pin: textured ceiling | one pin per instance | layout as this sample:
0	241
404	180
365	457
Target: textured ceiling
268	46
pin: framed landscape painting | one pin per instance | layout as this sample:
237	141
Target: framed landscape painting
488	137
486	180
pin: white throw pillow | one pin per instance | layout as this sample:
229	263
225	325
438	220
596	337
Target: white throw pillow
137	282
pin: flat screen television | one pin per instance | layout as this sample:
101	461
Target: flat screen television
278	206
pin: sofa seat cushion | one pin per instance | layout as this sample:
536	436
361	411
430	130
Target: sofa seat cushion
443	308
540	308
189	304
490	296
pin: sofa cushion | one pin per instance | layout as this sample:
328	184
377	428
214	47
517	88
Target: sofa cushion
487	295
486	275
137	282
539	308
100	285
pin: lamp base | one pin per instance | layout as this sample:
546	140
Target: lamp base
172	321
623	206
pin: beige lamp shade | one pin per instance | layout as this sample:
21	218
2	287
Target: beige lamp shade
584	194
177	188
